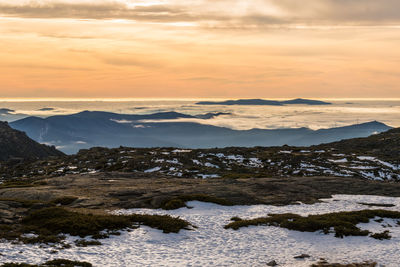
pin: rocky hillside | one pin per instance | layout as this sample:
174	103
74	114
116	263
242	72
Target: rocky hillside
376	158
385	145
16	144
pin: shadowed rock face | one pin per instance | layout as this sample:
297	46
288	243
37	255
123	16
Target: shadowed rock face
16	144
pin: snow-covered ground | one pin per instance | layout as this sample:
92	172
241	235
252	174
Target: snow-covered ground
212	245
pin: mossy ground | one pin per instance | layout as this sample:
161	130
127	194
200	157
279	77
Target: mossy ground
50	224
341	223
20	183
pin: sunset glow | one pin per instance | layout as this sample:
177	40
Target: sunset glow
186	49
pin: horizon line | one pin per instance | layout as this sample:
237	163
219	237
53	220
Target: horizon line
132	99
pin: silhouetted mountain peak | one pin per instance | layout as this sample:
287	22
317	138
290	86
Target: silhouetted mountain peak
371	124
302	101
16	144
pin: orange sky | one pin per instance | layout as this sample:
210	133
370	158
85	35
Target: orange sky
203	48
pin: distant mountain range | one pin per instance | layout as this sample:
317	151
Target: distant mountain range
69	133
262	102
15	144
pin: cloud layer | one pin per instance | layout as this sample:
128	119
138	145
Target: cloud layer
216	12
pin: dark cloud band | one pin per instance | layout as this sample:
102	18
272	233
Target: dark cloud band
332	12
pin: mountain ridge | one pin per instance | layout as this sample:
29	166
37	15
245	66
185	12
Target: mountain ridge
89	129
16	144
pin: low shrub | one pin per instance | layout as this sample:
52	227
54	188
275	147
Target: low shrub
50	224
166	223
377	204
174	204
85	243
381	236
56	220
342	223
51	263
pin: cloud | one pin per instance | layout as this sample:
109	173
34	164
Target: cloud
54	67
6	111
121	121
205	78
100	10
221	13
341	11
130	62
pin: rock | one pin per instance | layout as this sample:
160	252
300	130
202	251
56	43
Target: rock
6	204
132	205
126	194
28	193
6	216
302	256
157	201
89	203
38	206
272	263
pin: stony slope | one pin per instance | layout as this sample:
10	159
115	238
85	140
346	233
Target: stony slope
375	157
16	144
385	145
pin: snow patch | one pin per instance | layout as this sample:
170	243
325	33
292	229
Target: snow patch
155	169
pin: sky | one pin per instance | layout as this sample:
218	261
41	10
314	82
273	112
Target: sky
199	48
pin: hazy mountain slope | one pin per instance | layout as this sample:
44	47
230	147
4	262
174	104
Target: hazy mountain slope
16	144
87	129
340	133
